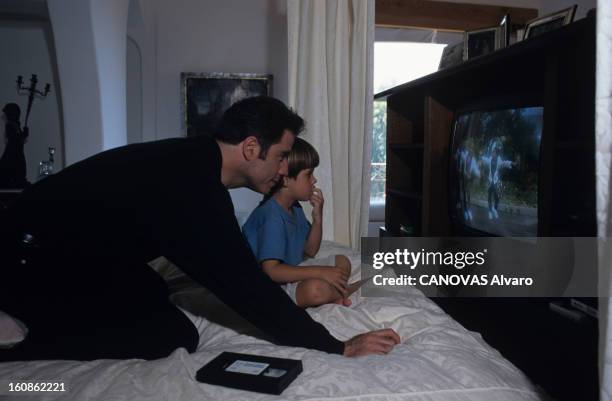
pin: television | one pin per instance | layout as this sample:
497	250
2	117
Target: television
494	170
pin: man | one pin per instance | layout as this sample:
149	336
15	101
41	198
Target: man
468	170
80	241
495	164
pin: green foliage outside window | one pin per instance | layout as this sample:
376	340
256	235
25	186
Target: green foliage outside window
379	151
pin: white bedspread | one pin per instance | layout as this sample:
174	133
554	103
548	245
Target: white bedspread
438	360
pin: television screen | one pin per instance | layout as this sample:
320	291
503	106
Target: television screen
495	161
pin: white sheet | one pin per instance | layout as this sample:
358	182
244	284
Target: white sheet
438	360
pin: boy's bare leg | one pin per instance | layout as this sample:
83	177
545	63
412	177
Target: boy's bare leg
316	292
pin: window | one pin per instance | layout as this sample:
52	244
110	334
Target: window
395	63
379	153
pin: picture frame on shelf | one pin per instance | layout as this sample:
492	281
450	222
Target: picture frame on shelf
550	22
451	55
505	27
480	42
520	34
205	96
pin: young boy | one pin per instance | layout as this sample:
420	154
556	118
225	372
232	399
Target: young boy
281	237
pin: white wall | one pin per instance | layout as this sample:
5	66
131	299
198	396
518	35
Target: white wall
109	19
216	36
90	41
27	49
79	82
142	33
136	37
134	92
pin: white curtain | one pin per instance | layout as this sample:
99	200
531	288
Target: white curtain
603	107
331	45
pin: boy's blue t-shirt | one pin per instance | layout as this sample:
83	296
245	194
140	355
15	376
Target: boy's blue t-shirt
273	233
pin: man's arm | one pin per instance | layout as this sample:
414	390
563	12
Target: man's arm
375	342
210	248
201	235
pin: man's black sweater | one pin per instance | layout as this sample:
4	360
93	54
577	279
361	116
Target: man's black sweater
97	223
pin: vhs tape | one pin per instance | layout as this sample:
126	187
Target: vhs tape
257	373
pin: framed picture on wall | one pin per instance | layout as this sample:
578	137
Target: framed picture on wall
205	96
550	22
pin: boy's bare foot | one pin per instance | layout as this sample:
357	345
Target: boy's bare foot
343	301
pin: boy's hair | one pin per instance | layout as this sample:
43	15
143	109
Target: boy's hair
263	117
302	156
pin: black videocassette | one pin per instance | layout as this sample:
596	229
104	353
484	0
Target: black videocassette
261	374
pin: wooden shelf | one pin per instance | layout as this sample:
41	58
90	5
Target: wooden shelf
554	40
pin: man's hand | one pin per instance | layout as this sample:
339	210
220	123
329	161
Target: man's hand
316	200
375	342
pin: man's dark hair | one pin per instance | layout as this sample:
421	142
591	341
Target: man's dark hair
263	117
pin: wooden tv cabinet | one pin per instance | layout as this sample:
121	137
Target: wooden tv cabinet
557	69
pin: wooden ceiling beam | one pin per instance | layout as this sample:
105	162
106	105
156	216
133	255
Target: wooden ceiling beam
443	15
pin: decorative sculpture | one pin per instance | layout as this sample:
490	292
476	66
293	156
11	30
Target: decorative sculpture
12	163
32	92
46	167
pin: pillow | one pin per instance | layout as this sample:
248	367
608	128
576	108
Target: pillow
242	217
12	331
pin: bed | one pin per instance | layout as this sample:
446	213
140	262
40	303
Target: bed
438	360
